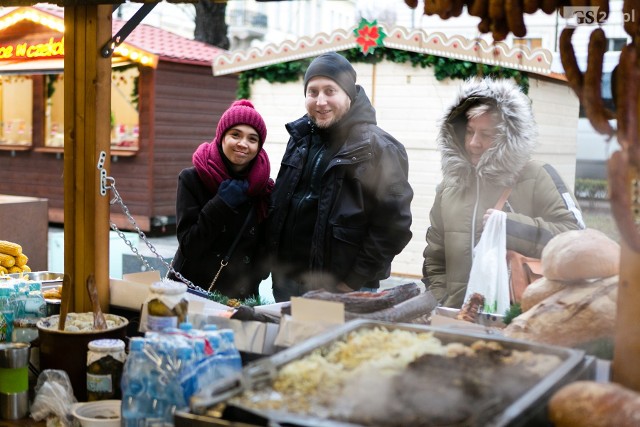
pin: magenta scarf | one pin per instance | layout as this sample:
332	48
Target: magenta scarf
212	171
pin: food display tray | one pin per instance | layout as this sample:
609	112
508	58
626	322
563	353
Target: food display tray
527	410
48	279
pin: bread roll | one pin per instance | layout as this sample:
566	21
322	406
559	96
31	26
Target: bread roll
571	317
538	291
588	403
580	254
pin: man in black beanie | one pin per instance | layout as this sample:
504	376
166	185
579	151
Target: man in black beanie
341	203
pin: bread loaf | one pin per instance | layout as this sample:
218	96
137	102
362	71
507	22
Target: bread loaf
538	291
580	254
588	403
571	317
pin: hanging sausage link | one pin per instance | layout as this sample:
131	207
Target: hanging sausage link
592	100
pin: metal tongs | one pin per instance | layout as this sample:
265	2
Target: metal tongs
252	376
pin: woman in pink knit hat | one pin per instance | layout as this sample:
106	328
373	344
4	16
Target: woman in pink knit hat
221	207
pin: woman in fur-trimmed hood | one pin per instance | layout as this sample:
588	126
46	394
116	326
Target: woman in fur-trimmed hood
487	138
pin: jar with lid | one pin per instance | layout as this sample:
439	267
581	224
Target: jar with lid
166	305
105	360
24	330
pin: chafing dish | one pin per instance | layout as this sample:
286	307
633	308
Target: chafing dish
529	409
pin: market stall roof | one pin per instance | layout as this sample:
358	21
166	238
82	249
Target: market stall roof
92	2
417	40
145	44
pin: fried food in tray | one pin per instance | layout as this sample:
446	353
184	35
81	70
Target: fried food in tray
378	374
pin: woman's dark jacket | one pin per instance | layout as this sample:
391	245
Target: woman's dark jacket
206	229
363	201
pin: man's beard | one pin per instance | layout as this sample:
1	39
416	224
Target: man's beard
326	124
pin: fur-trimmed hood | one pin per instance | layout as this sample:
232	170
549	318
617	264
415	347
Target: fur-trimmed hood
515	141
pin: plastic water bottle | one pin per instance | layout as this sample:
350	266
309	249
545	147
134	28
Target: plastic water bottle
163	380
187	373
186	327
229	360
136	404
207	347
199	348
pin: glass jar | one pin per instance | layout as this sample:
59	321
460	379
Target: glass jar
105	360
24	330
166	305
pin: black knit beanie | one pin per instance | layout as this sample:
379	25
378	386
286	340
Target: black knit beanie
337	68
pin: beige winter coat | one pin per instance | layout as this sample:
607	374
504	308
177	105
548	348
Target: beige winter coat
539	207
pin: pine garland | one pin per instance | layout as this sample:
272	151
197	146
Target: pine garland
443	68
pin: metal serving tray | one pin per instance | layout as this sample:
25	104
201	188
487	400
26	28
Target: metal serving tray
485	319
48	279
527	410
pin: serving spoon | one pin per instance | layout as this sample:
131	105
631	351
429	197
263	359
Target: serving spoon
99	323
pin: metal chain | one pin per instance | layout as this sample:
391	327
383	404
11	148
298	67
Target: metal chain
111	185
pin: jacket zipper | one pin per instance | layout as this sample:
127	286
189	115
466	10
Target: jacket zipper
473	219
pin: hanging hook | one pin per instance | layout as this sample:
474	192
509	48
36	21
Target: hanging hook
103	173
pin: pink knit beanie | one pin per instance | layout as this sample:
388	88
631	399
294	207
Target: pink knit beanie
241	112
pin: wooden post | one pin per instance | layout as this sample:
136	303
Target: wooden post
87	104
625	368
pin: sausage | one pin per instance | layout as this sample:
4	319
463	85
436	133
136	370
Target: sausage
496	9
515	18
549	6
471	309
478	8
457	7
484	26
499	29
570	63
531	6
443	8
631	25
592	88
620	196
624	90
603	9
430	7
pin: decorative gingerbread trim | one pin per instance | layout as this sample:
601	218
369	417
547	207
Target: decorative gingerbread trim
480	51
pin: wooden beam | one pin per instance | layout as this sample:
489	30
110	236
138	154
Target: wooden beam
625	369
87	100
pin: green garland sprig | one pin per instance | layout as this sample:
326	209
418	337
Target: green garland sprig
443	68
232	302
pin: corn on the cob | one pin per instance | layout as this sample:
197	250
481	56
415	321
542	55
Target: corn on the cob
10	248
7	260
26	268
14	269
21	260
3	270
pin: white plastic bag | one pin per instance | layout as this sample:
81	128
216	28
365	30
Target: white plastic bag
489	274
54	399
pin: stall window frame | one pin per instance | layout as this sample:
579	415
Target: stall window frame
15	147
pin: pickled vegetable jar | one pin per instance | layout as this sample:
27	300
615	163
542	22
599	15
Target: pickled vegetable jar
105	360
166	305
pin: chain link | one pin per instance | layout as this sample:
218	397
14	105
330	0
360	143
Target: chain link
111	185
